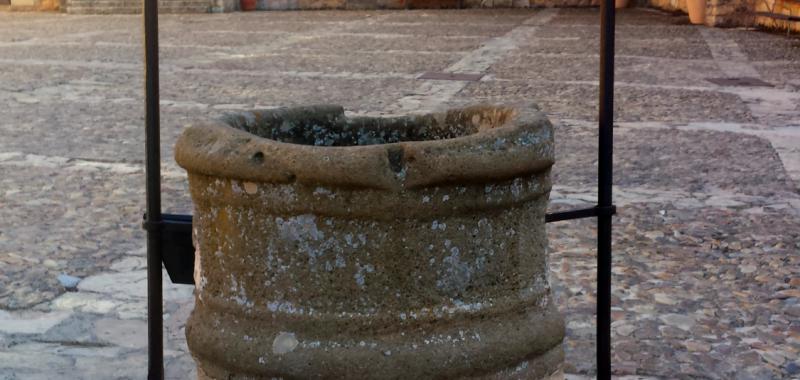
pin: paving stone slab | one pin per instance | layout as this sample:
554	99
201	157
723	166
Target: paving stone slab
763	46
661	48
623	31
780	73
555	67
354	93
692	161
364	42
109	140
579	101
15	79
434	29
357	62
237	37
128	54
27	322
462	16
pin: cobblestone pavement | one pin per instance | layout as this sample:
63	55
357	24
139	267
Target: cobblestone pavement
706	266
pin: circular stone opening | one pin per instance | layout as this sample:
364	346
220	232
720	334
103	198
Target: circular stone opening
318	145
328	126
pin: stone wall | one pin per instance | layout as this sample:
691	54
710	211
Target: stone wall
784	7
733	13
729	13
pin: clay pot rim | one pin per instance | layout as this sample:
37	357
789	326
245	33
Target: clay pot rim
520	144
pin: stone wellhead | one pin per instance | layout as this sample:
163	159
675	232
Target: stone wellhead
372	247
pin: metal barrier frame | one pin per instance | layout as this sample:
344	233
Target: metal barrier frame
172	233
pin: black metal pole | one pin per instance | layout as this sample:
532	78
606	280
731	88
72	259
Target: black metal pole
604	181
155	334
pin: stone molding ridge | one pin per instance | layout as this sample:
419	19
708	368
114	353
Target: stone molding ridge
320	145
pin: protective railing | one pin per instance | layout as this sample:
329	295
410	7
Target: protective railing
169	236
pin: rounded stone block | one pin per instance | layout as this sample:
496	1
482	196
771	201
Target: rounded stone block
334	247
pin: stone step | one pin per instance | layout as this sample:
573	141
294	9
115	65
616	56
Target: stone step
129	4
135	6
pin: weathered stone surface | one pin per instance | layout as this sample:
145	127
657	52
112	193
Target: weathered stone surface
77	330
122	333
85	302
128	285
29	322
304	218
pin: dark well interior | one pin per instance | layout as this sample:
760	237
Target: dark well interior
327	125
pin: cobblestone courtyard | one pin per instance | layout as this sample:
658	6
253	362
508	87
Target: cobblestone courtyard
706	268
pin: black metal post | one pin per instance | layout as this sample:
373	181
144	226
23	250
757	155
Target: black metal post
604	180
155	334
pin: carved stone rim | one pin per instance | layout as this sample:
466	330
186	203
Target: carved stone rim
492	143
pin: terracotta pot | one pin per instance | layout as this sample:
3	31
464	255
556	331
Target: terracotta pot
247	5
49	5
620	4
354	248
697	11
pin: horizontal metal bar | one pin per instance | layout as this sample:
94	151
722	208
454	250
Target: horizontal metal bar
779	16
166	219
571	214
580	213
177	218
